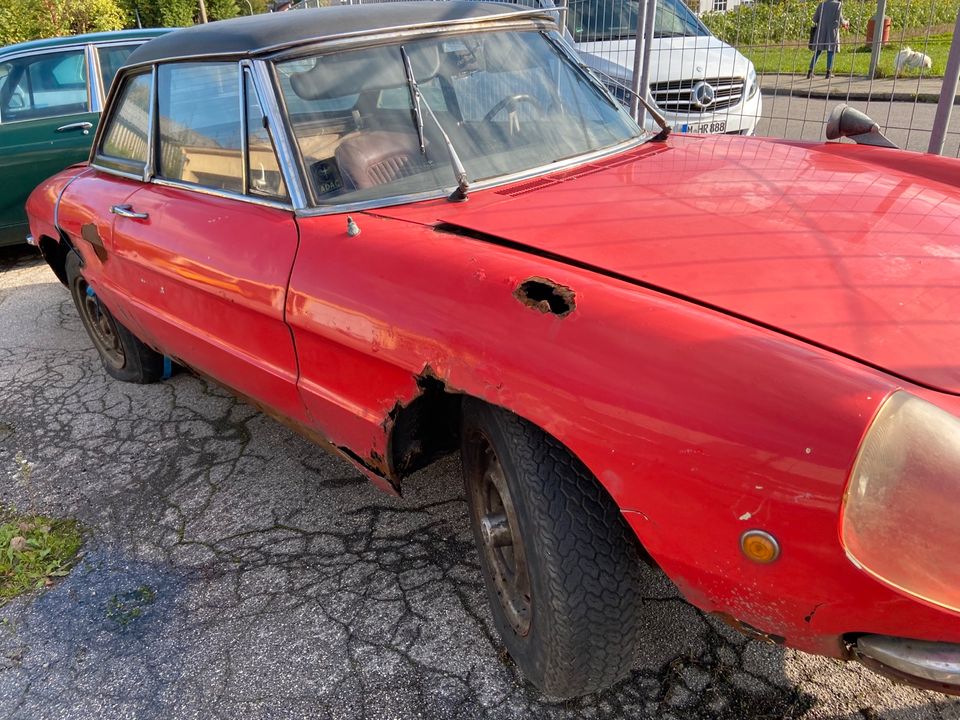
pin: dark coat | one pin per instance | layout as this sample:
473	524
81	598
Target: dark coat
828	17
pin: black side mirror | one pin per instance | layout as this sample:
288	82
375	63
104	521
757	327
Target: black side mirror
846	121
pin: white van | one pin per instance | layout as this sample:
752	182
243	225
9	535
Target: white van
699	82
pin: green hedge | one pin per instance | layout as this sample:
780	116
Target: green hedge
22	20
775	22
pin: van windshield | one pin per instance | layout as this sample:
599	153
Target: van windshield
604	20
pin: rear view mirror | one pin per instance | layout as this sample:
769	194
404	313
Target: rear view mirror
846	121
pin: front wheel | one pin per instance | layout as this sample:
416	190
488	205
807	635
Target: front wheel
560	565
123	355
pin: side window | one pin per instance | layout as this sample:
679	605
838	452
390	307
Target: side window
126	132
42	86
263	170
112	57
200	129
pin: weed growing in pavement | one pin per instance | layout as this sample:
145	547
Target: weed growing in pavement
126	607
24	474
34	550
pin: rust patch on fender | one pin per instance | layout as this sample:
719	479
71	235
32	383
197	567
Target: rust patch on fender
749	630
547	296
90	233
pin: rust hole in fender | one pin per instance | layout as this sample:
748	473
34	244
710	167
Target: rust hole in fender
90	233
546	296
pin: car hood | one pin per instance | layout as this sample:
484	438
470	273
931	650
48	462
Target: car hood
696	57
852	248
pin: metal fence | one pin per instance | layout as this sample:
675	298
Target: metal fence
896	75
741	66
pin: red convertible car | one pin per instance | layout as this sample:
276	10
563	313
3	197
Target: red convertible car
413	229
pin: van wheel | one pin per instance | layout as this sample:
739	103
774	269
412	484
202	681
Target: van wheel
560	564
124	357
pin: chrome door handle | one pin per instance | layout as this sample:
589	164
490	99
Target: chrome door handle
128	212
85	126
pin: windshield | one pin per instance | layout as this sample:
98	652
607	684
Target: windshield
596	20
509	101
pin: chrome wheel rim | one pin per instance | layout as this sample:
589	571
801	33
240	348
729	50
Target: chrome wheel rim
496	519
99	324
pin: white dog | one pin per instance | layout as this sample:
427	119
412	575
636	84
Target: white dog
911	59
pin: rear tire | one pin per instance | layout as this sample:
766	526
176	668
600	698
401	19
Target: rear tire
124	357
560	564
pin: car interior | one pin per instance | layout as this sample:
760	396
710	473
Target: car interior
353	117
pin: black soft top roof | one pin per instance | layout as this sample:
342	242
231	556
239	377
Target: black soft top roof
254	34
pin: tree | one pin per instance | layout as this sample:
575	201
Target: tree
224	9
162	13
22	20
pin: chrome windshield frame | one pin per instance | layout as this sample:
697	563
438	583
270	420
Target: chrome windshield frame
312	207
475	186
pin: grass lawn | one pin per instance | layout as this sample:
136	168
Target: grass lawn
851	59
33	551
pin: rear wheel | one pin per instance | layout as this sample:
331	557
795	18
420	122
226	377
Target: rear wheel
123	355
559	562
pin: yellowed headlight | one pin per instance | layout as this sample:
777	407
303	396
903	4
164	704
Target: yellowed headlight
901	513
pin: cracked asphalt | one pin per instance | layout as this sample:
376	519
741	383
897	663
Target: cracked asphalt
233	570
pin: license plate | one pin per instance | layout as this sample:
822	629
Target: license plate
717	126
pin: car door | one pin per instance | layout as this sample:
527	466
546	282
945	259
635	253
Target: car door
205	250
46	124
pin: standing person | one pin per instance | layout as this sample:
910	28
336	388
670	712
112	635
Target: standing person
828	19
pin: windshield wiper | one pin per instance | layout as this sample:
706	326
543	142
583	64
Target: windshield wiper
658	118
416	97
414	101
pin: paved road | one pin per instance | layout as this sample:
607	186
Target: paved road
801	117
232	570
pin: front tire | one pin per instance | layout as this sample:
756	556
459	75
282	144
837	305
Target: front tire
560	564
124	357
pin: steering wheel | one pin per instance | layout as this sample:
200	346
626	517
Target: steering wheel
512	102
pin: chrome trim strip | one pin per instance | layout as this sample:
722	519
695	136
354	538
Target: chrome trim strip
225	194
127	41
280	132
94	86
56	207
150	168
337	43
119	173
373	34
474	186
244	139
42	51
46	117
533	13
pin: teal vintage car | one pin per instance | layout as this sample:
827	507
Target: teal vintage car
51	95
